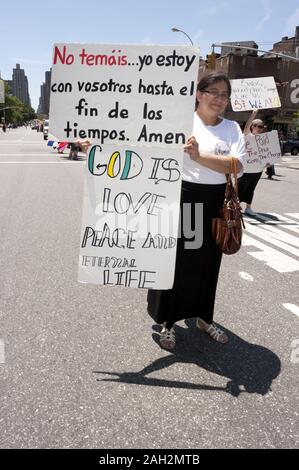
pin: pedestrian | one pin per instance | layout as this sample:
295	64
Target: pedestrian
206	160
249	181
270	171
74	149
270	168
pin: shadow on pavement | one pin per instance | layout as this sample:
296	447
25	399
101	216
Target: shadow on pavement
246	365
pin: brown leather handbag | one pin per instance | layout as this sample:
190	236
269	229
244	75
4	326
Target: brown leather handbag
227	228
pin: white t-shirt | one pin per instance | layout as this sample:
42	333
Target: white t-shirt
225	138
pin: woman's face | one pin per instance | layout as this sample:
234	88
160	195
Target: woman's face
257	129
214	98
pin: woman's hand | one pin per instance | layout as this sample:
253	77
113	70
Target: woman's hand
191	148
84	144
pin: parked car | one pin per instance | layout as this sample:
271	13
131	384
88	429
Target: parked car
46	129
290	146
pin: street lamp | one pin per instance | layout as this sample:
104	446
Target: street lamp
176	30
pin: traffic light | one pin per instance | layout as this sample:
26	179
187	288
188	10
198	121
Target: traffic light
211	61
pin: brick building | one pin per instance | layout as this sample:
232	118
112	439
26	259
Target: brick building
247	64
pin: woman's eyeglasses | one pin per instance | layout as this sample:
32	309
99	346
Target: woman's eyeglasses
259	126
216	94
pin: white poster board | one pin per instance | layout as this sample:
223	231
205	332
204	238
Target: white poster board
254	93
136	105
2	93
143	95
261	149
130	216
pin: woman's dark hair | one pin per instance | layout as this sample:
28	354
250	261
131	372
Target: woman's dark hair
211	79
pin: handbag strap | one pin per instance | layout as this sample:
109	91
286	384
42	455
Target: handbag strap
232	172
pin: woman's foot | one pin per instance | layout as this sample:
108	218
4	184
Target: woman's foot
167	338
212	330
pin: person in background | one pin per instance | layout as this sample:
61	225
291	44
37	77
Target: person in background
249	181
270	169
74	149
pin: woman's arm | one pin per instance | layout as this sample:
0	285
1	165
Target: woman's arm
214	162
84	144
249	122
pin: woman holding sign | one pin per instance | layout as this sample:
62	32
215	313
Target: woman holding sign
249	181
206	161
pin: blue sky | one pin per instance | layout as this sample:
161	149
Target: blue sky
30	28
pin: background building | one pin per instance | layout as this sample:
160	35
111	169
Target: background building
19	85
242	63
44	100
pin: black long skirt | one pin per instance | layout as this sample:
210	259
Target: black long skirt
246	186
196	271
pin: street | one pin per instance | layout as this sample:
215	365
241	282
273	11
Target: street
80	364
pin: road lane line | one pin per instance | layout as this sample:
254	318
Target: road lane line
295	215
281	241
271	257
246	276
29	154
292	308
36	161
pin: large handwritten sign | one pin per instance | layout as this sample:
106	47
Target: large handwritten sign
136	104
254	93
143	95
130	216
261	149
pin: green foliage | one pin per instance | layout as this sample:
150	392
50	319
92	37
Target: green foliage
18	112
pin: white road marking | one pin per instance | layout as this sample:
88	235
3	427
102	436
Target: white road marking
294	215
273	258
13	155
275	239
287	224
36	161
246	276
279	234
292	308
18	142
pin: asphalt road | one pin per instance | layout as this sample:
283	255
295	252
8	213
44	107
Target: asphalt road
80	366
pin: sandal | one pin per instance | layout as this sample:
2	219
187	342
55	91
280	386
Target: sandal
211	329
167	338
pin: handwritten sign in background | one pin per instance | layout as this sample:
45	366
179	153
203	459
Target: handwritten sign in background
260	150
144	95
254	93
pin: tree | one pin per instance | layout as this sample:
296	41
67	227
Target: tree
17	112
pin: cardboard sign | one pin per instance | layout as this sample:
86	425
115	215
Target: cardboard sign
254	93
135	104
130	216
141	95
261	149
